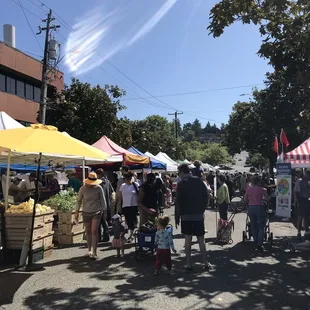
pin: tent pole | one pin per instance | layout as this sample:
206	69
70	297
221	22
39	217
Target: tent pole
36	200
83	169
7	181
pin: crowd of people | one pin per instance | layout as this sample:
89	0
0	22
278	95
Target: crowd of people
106	203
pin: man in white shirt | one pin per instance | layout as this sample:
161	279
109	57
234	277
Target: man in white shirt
29	185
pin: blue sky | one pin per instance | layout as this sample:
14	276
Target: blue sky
163	47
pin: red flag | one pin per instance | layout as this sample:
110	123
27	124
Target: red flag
283	138
276	145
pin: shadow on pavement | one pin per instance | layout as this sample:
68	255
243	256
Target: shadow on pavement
10	282
82	298
272	280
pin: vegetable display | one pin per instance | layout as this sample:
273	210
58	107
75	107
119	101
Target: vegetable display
64	201
27	207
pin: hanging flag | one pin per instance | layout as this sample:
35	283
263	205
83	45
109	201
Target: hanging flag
283	138
276	145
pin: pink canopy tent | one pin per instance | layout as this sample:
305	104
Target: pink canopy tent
118	154
299	157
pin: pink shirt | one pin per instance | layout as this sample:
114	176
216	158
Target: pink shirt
254	195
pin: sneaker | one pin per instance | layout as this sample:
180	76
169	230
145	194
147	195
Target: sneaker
88	254
207	267
156	272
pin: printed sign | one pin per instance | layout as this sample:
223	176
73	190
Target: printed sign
284	168
284	195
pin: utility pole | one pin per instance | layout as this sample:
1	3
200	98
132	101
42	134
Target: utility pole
176	113
43	94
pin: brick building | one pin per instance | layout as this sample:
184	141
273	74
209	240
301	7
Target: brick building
20	82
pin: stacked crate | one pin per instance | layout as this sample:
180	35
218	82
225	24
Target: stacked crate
18	224
68	231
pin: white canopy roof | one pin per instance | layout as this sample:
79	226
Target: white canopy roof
172	166
7	122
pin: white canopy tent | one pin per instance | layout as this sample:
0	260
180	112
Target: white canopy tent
172	166
7	122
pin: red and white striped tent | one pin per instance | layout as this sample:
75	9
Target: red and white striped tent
299	157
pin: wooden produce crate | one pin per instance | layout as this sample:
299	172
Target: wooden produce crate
18	244
48	252
48	241
68	217
19	220
68	229
48	217
16	234
48	228
71	239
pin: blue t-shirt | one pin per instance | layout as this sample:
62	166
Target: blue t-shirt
197	172
164	240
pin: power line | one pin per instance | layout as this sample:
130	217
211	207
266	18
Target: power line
27	10
201	91
130	79
30	25
164	105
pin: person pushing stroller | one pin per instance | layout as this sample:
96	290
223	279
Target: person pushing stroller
254	197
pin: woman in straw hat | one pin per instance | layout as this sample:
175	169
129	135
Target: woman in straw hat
94	204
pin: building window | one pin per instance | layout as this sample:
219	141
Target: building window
20	89
37	92
29	91
10	85
2	82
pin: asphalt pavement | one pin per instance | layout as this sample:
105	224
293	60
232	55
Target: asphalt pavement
240	277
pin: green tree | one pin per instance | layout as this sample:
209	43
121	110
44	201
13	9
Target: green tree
258	161
85	112
196	128
215	154
154	134
284	27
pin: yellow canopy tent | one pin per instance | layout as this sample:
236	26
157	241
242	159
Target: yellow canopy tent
39	143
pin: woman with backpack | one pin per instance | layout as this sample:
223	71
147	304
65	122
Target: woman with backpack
128	195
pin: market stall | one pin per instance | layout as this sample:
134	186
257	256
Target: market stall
118	154
38	145
7	122
300	156
155	164
172	166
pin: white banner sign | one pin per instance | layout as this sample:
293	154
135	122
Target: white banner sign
284	195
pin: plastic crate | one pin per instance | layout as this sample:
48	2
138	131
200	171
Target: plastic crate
146	240
12	256
68	229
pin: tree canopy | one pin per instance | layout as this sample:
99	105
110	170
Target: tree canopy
283	103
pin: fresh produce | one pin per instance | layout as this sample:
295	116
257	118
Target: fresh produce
27	207
64	201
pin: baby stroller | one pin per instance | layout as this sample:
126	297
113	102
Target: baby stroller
145	240
268	235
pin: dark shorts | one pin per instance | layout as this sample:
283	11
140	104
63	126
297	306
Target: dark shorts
89	216
130	214
303	207
193	228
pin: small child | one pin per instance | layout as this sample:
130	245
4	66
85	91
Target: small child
119	232
164	242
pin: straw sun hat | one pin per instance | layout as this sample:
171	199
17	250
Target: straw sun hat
92	179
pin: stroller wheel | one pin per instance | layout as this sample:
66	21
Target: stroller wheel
231	241
271	238
244	237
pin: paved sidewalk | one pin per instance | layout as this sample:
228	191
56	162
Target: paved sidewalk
240	279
